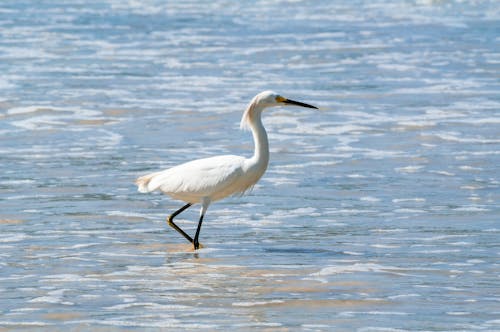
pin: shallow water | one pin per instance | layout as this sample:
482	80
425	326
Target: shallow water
378	213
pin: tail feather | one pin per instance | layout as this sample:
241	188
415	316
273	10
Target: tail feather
143	182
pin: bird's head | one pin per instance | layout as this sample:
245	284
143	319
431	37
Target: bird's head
271	98
264	100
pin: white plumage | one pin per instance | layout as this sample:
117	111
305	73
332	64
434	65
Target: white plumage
215	177
211	179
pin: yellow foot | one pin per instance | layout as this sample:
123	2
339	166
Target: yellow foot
199	246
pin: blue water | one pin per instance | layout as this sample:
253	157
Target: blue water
378	213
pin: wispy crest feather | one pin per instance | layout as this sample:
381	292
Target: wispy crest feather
246	119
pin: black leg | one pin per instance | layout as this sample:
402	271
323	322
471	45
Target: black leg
177	228
196	243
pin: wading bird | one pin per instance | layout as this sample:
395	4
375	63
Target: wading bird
211	179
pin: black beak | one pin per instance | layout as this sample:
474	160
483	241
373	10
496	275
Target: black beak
298	103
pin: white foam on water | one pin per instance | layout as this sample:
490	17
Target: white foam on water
397	67
146	321
460	138
472	208
68	277
357	267
445	173
384	246
280	181
409	169
16	183
391	230
25	309
369	199
147	306
12	237
458	313
316	327
353	253
40	117
380	329
388	313
407	210
415	199
356	176
403	296
439	251
79	246
124	214
24	323
255	303
52	297
323	129
470	168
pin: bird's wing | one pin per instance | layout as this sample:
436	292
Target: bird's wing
198	178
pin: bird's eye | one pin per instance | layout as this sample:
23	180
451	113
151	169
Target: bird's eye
280	99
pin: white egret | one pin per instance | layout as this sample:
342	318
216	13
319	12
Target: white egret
210	179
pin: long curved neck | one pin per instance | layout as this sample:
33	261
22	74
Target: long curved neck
261	151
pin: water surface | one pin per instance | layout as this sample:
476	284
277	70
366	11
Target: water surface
378	213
